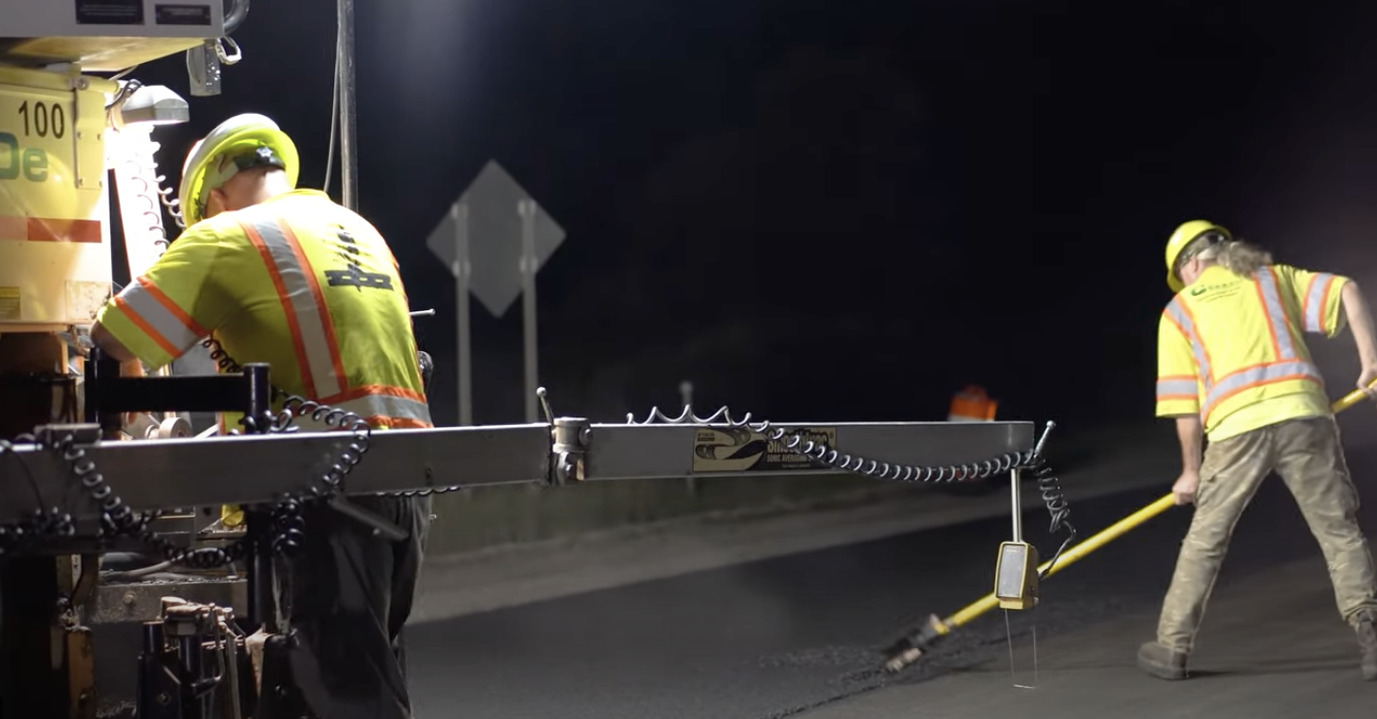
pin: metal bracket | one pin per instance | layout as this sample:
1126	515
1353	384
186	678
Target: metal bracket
108	395
51	434
203	68
86	580
570	446
1016	569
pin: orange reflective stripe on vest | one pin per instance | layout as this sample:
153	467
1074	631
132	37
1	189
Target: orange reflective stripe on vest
313	334
1182	317
159	317
1278	324
1287	364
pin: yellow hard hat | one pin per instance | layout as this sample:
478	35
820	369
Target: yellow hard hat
1183	236
236	139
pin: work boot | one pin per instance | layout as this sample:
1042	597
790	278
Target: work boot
1161	662
1366	626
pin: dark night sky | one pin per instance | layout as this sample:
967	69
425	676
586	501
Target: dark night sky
835	211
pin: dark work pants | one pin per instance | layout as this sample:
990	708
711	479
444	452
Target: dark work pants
347	595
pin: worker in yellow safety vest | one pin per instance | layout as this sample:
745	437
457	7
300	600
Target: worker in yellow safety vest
1233	368
285	276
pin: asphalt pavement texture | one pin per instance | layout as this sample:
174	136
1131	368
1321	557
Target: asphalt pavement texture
800	635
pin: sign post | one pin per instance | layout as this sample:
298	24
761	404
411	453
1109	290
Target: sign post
344	61
686	397
459	213
529	267
495	239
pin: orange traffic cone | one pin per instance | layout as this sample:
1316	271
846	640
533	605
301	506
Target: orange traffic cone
972	405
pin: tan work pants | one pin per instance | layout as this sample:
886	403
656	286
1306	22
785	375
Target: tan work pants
1309	457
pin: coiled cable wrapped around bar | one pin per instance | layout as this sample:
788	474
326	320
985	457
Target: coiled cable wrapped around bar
331	482
39	525
287	528
118	519
1049	486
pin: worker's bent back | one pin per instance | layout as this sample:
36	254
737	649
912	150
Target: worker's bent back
299	282
1233	348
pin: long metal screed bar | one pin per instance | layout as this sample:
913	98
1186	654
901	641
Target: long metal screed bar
256	469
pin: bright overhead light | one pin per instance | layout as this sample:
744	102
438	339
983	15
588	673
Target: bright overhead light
155	105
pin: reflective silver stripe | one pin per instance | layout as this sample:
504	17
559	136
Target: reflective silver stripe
1314	302
313	337
1276	313
141	302
375	405
1179	314
1177	388
1242	379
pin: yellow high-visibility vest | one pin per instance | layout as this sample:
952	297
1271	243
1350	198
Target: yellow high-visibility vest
1232	348
299	282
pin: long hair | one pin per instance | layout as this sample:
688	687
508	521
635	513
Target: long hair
1237	256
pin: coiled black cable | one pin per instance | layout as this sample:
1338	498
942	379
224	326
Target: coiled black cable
32	531
40	525
821	453
293	406
331	482
290	527
118	519
1049	485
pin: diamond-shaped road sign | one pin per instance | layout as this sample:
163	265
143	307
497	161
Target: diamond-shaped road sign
493	202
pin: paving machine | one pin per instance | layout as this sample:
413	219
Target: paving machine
124	590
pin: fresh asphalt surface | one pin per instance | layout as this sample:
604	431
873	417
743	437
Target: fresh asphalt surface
797	635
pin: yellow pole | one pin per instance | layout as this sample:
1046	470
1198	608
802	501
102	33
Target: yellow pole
1349	400
1071	556
1105	536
